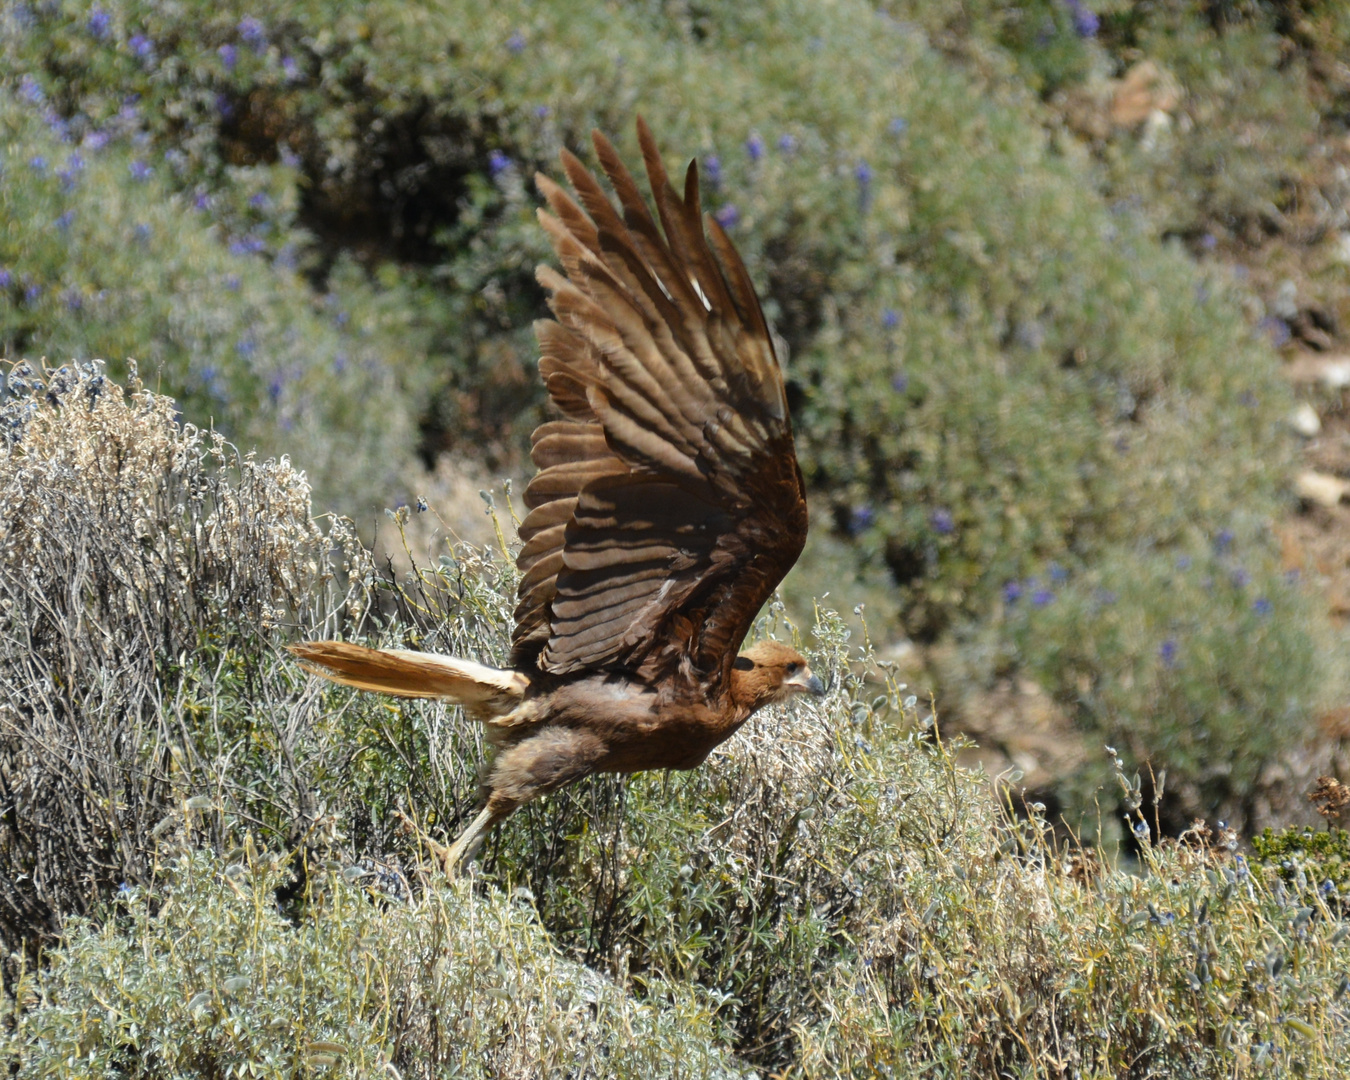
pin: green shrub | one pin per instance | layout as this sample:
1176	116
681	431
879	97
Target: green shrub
202	976
136	554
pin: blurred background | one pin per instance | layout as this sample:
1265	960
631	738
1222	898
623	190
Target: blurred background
1060	289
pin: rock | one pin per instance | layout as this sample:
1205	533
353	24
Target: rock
1320	488
1305	421
1144	90
1333	372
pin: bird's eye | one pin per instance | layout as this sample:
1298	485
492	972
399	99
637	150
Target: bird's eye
793	668
743	663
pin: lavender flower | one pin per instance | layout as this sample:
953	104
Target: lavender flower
899	382
516	43
754	146
65	220
1223	541
38	164
100	23
860	519
1167	653
1085	21
942	522
890	318
5	277
253	34
787	143
31	91
728	216
290	68
898	126
141	47
1262	606
1042	598
862	172
1012	592
140	171
498	163
229	56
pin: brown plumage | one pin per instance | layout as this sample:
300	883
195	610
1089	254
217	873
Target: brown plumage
667	507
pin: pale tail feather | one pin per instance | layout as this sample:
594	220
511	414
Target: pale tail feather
483	691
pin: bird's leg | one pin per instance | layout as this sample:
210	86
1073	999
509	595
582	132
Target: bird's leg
471	839
545	761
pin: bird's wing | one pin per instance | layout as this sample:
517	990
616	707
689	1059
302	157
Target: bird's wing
669	504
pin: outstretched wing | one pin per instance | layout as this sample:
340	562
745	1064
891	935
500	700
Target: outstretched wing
669	504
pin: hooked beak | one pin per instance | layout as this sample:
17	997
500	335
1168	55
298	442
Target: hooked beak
804	680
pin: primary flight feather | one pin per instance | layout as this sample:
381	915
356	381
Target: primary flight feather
667	508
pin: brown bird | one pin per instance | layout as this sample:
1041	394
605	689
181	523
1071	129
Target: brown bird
667	507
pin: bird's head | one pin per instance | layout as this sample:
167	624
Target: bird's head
770	671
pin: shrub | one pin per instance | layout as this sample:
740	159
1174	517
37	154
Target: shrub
830	893
202	976
134	550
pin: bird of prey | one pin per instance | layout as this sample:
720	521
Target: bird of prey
667	508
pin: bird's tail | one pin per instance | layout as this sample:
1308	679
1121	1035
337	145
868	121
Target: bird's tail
483	691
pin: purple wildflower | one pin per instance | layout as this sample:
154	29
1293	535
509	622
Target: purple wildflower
202	201
541	112
1209	241
942	522
31	91
5	278
95	141
1105	597
787	143
290	68
1042	597
74	301
224	106
890	318
1223	541
712	170
1012	592
1167	653
498	163
516	43
141	47
1085	21
754	146
253	33
1276	329
1057	573
898	126
728	216
860	519
65	220
140	171
142	232
862	172
245	347
100	22
33	293
259	200
1240	578
1183	562
899	382
38	164
229	56
232	282
1262	606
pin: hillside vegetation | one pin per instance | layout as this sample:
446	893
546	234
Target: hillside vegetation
216	866
1043	438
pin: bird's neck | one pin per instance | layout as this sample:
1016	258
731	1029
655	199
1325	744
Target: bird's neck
750	691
